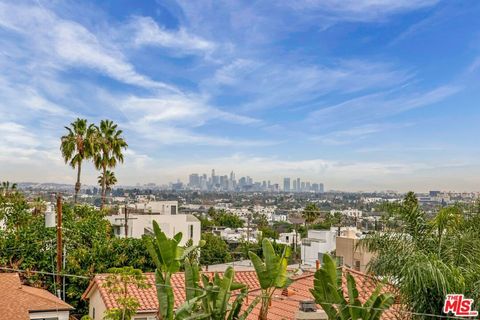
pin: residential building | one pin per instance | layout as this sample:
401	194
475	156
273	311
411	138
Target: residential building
284	305
240	234
140	217
21	302
353	213
289	238
319	242
351	255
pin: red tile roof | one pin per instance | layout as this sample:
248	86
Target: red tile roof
18	300
282	307
148	297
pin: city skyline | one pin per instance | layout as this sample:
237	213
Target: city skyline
359	95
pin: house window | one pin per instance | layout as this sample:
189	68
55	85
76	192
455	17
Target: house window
93	313
340	260
173	209
357	265
191	231
286	238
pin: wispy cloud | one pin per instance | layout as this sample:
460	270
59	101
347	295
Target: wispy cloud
379	105
148	33
61	43
273	85
360	10
354	134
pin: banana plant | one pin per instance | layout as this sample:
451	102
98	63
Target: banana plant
168	255
328	293
213	300
271	273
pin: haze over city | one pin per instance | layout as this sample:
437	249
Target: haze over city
359	95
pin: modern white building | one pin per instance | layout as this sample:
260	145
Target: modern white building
353	213
141	216
319	242
289	238
240	234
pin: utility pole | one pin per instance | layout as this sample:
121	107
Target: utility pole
59	241
126	222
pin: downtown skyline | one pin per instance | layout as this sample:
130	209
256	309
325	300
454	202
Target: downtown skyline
357	95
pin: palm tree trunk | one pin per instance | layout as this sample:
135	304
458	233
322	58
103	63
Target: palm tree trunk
103	187
78	184
263	315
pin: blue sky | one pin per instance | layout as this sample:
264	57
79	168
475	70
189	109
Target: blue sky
358	94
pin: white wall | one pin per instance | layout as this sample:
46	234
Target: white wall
170	224
318	241
61	315
95	302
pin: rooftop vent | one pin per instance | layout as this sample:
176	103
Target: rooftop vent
308	306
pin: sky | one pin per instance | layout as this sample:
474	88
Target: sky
357	94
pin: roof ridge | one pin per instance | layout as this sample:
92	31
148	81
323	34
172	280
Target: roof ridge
43	297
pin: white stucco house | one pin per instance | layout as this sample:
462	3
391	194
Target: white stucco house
319	242
140	218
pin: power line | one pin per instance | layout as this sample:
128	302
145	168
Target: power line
44	272
249	293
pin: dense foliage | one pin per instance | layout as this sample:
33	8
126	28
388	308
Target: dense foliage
91	248
428	258
215	252
330	294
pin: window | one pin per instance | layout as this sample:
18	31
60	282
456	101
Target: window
357	265
191	231
173	209
286	239
340	260
93	313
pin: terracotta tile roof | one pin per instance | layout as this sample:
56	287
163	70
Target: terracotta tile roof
18	300
282	307
148	297
285	306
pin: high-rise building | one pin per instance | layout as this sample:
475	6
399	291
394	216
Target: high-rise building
299	188
194	180
320	188
294	185
286	184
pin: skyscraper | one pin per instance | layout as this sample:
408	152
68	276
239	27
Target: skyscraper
194	180
298	185
286	184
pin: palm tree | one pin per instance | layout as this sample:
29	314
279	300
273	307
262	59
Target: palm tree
109	150
109	179
429	259
78	145
310	213
6	188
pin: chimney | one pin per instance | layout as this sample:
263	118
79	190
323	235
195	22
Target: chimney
308	311
286	292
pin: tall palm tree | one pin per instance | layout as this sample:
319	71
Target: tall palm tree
78	145
6	188
110	144
310	213
109	179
